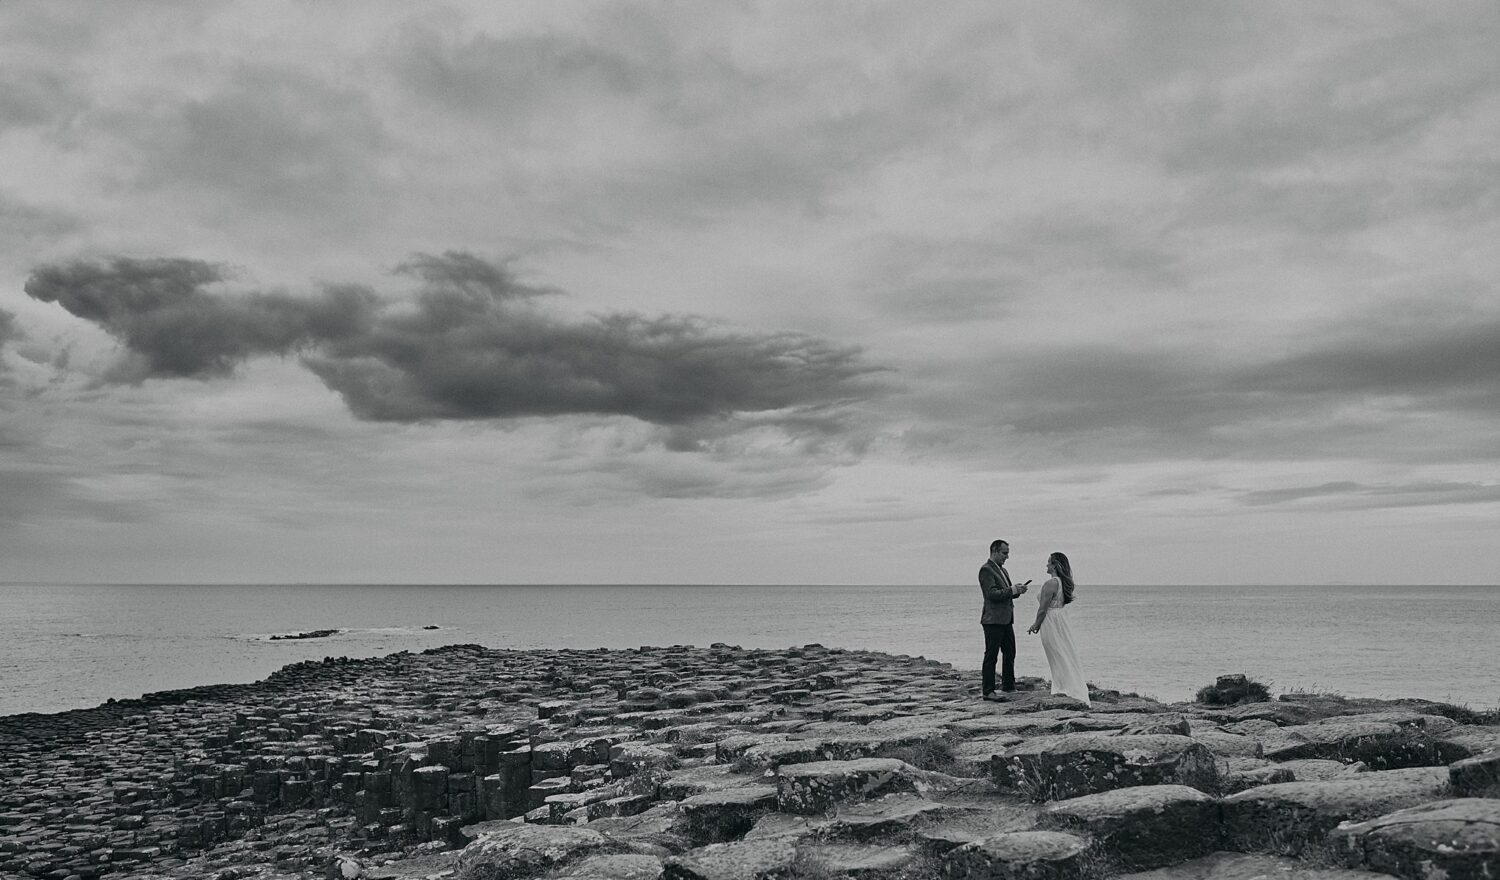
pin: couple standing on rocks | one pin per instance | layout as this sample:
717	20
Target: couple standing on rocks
1051	622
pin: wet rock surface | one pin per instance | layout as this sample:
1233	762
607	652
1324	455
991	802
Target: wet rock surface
723	762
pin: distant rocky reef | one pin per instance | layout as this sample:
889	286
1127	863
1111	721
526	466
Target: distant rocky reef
310	634
723	763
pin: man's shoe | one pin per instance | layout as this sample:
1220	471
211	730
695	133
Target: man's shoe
995	698
1009	690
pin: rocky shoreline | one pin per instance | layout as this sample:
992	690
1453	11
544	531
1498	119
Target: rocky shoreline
720	763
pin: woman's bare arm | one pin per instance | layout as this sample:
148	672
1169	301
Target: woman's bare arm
1049	592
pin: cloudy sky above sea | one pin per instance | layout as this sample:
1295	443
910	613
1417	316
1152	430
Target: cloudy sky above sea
750	292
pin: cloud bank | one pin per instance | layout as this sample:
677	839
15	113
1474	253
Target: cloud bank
471	344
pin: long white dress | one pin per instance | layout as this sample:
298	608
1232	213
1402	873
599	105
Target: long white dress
1062	654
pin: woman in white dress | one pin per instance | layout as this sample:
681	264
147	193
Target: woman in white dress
1057	636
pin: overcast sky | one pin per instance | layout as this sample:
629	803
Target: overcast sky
749	292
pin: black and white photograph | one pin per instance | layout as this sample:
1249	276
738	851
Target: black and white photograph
749	440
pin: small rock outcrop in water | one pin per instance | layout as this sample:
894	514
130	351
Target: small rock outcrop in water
722	762
310	634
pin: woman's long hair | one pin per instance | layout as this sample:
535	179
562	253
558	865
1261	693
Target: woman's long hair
1064	571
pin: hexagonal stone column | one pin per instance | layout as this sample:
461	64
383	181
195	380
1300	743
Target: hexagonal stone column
817	786
1289	817
719	816
1455	839
1072	765
1146	826
1478	776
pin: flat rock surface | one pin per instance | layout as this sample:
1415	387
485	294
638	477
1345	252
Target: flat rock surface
1241	866
740	860
1018	854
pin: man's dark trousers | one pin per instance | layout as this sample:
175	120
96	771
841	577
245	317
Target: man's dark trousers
999	639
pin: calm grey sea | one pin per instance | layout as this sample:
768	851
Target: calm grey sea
71	646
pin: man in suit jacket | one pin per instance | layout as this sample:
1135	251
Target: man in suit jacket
996	619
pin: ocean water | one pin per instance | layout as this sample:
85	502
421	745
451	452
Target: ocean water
72	646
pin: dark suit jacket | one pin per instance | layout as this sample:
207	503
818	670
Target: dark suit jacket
999	602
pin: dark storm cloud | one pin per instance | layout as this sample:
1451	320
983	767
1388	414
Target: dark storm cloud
466	357
471	345
173	327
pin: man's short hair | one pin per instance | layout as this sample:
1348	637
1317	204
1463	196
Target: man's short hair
998	543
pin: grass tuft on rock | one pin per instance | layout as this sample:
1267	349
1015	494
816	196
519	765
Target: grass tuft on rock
1230	690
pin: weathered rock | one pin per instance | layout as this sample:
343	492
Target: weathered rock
1453	839
1467	741
1277	712
1020	854
628	759
914	744
1290	817
785	825
830	860
624	866
1231	781
688	781
793	751
522	850
1229	745
1146	826
1097	723
656	830
973	757
1028	724
941	833
1382	745
537	794
730	748
884	818
741	860
723	815
1071	765
815	787
1250	726
1242	866
1478	776
1165	723
1433	724
1317	769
